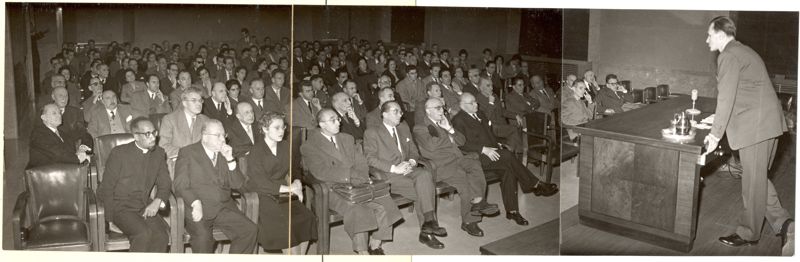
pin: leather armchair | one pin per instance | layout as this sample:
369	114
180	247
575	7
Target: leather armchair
57	211
102	148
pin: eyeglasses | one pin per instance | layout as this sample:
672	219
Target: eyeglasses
194	100
436	107
218	135
95	84
335	119
146	134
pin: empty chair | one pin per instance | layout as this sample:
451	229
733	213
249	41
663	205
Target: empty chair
57	211
638	96
662	92
649	95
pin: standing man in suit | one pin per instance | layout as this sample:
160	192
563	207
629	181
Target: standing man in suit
131	171
182	127
151	100
205	173
256	98
111	118
480	139
49	146
392	154
243	135
277	97
749	113
351	124
218	106
439	142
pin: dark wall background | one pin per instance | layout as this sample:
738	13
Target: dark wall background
773	35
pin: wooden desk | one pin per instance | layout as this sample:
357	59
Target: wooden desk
635	183
540	240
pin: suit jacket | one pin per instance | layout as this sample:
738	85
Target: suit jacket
411	92
748	110
495	112
46	148
478	133
374	118
224	77
100	121
497	83
610	99
574	112
520	104
438	145
470	88
238	137
167	86
175	132
302	116
381	148
74	126
546	98
196	178
257	111
143	105
347	126
210	110
333	165
451	99
129	88
271	101
129	177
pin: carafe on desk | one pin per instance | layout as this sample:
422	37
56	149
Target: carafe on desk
683	126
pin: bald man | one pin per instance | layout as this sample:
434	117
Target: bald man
218	105
352	123
111	118
72	120
49	145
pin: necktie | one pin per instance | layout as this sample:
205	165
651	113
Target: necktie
397	139
153	96
219	106
476	117
278	93
113	115
59	136
214	160
310	108
191	124
334	144
249	130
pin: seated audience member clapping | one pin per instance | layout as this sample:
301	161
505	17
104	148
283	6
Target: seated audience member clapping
333	157
268	175
131	171
205	173
49	145
612	97
575	111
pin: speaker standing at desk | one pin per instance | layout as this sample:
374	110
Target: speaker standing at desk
749	112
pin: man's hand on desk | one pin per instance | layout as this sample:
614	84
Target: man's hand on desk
711	142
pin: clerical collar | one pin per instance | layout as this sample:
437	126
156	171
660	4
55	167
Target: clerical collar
144	150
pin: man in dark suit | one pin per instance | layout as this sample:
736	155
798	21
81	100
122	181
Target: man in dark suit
480	139
205	173
218	106
320	92
277	97
111	118
491	73
131	171
474	76
352	124
392	154
72	120
544	95
48	145
356	98
491	108
256	98
339	84
749	113
170	81
374	117
439	142
243	135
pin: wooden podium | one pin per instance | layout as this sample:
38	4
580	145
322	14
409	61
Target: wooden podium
637	184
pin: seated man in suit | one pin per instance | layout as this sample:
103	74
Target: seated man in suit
449	93
48	145
132	170
544	95
182	127
256	98
393	155
205	173
612	98
411	90
278	96
305	107
72	120
374	116
320	92
169	82
218	106
433	75
439	142
333	157
151	100
480	139
243	135
356	100
351	122
111	118
474	76
497	115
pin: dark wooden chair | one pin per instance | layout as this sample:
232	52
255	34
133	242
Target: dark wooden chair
542	148
109	240
638	96
57	211
662	92
649	95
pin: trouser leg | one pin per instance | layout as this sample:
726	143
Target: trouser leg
241	231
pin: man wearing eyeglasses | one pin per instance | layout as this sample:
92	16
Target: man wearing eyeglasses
131	171
205	173
182	126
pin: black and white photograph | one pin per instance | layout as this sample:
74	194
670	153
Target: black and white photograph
679	133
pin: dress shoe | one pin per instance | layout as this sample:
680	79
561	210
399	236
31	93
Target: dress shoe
545	189
432	227
785	231
517	218
430	241
483	208
736	241
472	229
377	251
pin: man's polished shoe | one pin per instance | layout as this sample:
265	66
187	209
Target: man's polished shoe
785	231
545	189
430	241
472	229
432	227
517	218
735	240
483	208
377	251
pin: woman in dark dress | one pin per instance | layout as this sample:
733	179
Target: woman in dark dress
268	172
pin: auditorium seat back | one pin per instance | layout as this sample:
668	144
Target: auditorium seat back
56	191
662	91
102	148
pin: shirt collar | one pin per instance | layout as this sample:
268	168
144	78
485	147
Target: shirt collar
144	150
